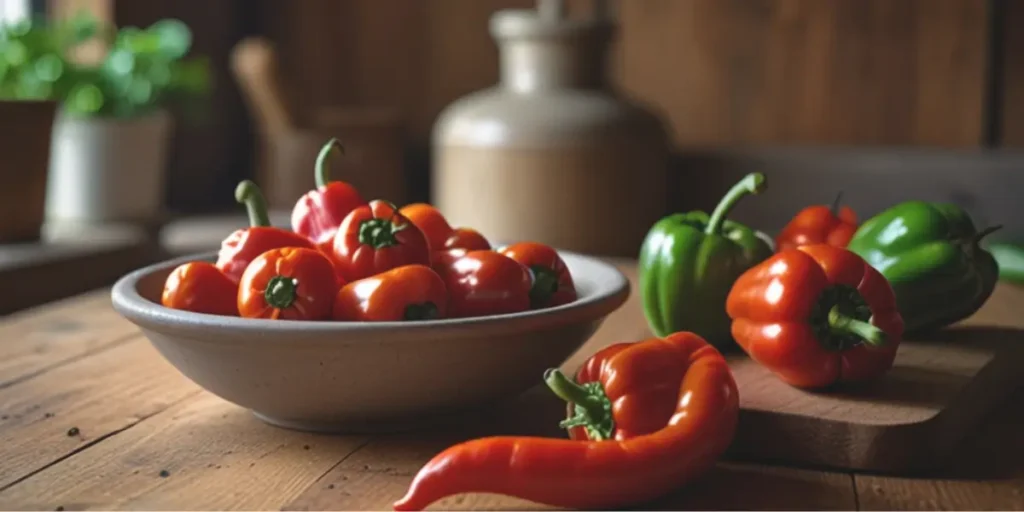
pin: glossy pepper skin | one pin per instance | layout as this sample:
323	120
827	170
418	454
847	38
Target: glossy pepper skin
289	283
243	245
819	224
376	238
319	212
409	293
552	282
200	287
483	283
440	235
660	411
930	253
815	316
688	263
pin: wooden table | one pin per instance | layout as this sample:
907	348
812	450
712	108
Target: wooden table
91	417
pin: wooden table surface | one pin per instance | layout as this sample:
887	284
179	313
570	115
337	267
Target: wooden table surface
91	417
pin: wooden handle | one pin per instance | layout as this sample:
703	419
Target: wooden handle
254	63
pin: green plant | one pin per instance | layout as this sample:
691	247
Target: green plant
143	70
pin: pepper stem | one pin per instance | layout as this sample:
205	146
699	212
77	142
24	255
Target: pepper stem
753	183
545	284
249	194
592	407
985	232
323	173
280	292
424	311
837	203
844	324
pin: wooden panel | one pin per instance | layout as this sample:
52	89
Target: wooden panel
1009	90
809	71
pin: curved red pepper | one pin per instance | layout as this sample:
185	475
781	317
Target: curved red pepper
200	287
244	245
376	238
819	224
318	214
663	409
552	282
816	315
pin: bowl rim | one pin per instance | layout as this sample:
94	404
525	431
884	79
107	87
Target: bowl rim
608	295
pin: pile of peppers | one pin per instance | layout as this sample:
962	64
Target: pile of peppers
352	260
827	302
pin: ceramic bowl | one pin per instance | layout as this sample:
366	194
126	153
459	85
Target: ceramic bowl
363	376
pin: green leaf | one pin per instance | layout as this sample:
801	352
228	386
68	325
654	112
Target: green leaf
82	27
120	61
85	99
49	67
15	53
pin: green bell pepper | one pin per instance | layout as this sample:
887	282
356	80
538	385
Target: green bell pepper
689	262
1010	257
929	252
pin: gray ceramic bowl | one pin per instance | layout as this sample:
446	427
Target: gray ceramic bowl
357	377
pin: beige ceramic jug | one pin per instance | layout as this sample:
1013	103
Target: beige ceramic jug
551	153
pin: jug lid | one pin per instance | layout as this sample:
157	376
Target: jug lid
550	20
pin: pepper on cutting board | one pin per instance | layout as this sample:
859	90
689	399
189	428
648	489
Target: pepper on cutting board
688	262
819	224
375	238
440	235
930	253
318	214
412	292
658	412
243	245
816	315
552	282
484	283
288	283
200	287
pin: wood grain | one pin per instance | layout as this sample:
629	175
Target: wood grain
201	454
43	338
809	71
98	395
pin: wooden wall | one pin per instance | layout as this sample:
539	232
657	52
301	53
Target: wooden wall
726	73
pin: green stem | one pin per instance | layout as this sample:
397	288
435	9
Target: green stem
323	173
250	195
841	323
837	203
571	392
753	183
985	232
545	284
280	292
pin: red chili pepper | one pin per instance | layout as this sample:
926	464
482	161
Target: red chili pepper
816	315
552	282
412	292
376	238
659	412
484	283
318	214
819	224
200	287
289	283
440	235
242	246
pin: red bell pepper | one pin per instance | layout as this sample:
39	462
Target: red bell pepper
243	245
200	287
816	315
659	413
483	283
318	214
376	238
289	283
412	292
819	224
552	282
440	235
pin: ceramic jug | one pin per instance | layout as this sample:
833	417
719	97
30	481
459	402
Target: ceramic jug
552	153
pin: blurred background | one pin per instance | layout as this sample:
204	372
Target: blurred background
608	115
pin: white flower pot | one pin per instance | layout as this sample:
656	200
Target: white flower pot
108	170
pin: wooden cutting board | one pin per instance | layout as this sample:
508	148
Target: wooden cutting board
940	388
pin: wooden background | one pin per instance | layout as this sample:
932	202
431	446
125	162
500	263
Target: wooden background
943	74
